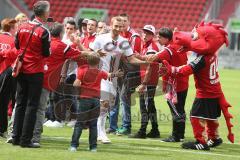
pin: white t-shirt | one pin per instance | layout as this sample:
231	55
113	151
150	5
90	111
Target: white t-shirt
110	62
72	69
114	50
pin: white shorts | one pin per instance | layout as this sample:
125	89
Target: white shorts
108	90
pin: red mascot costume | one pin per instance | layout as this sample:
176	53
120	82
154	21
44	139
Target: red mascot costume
204	40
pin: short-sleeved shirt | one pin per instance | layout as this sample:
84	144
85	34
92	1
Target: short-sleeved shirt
114	49
90	81
110	62
206	76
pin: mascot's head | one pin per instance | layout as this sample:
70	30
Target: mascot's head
206	38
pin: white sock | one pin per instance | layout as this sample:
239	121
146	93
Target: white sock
103	123
99	126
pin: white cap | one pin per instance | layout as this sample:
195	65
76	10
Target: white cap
85	20
149	28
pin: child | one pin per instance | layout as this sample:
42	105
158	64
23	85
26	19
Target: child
89	79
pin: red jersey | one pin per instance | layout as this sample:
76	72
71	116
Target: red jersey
205	69
6	43
150	48
38	48
53	64
171	54
133	39
88	40
90	81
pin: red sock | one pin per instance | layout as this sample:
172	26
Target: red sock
10	109
212	129
198	126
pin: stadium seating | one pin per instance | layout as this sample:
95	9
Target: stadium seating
183	14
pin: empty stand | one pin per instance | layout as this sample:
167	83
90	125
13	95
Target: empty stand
183	14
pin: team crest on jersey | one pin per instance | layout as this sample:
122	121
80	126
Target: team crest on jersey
4	46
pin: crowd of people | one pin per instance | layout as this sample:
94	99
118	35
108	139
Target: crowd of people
94	68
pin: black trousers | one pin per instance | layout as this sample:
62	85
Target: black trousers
148	109
29	87
7	93
178	123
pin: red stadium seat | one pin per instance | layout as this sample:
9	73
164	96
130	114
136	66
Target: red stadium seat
181	13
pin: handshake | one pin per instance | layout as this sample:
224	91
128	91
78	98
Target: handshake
118	74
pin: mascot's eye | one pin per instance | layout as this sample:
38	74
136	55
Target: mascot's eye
194	36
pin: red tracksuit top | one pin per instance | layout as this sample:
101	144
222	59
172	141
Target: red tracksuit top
134	40
38	48
175	58
6	43
53	64
150	47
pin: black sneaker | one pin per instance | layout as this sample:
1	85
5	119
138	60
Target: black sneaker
195	146
153	134
15	142
30	145
215	142
171	139
138	135
3	135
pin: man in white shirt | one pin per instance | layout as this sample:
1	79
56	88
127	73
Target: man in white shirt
115	46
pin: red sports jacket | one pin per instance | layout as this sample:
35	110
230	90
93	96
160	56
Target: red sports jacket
38	48
175	58
6	44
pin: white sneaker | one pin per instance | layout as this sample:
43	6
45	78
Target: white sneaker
9	140
56	124
106	140
99	138
48	122
37	144
71	123
72	149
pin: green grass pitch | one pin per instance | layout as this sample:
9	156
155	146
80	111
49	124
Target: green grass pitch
55	142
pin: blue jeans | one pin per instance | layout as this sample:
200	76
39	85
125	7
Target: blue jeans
87	113
125	97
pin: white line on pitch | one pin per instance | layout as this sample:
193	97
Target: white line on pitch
132	139
182	151
156	148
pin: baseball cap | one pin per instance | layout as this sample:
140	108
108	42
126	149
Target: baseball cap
85	21
149	28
